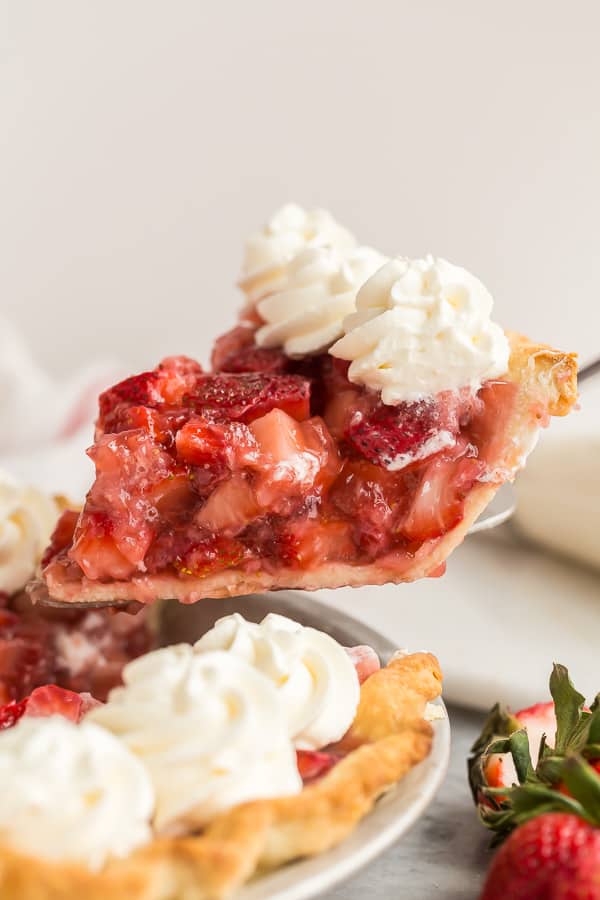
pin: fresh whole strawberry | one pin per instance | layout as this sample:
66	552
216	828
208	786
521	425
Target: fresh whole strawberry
555	856
544	759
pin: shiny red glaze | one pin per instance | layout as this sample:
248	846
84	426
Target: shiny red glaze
313	764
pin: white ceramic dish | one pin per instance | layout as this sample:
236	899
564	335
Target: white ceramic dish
393	815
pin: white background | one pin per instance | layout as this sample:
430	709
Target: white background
142	141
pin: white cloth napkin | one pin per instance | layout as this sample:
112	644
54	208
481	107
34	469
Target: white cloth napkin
559	491
46	424
497	619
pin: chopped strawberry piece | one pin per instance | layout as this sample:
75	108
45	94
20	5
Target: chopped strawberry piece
211	555
180	366
313	541
381	497
245	397
295	460
438	503
202	443
214	450
399	436
227	346
257	359
117	526
313	764
51	700
61	536
137	390
165	385
365	661
230	507
11	712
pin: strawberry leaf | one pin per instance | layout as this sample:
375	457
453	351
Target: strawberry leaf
584	784
568	704
594	722
517	744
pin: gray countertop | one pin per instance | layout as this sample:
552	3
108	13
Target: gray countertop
446	854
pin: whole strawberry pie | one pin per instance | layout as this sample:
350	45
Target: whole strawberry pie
354	423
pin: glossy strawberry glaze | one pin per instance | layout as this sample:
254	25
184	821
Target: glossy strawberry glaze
284	465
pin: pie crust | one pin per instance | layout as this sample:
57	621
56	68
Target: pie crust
388	737
547	386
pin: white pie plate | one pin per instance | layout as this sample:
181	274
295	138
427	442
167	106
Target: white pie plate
393	815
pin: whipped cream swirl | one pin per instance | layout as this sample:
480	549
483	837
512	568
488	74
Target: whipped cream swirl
318	291
27	518
288	231
72	792
209	730
422	326
315	679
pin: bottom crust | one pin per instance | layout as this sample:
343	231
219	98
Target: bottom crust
389	737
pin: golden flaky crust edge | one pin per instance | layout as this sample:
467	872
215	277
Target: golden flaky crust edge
389	737
547	381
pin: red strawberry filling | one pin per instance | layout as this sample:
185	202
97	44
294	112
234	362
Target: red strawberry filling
271	462
48	700
79	650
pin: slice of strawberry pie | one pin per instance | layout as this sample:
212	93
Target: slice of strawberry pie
356	422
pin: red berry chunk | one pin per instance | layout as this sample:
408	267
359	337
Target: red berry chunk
381	497
365	661
51	700
397	436
313	764
229	345
248	396
165	385
61	536
236	351
438	502
116	527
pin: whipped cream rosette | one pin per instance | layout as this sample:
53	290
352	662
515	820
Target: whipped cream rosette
209	730
287	232
72	792
304	315
27	517
422	326
315	679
